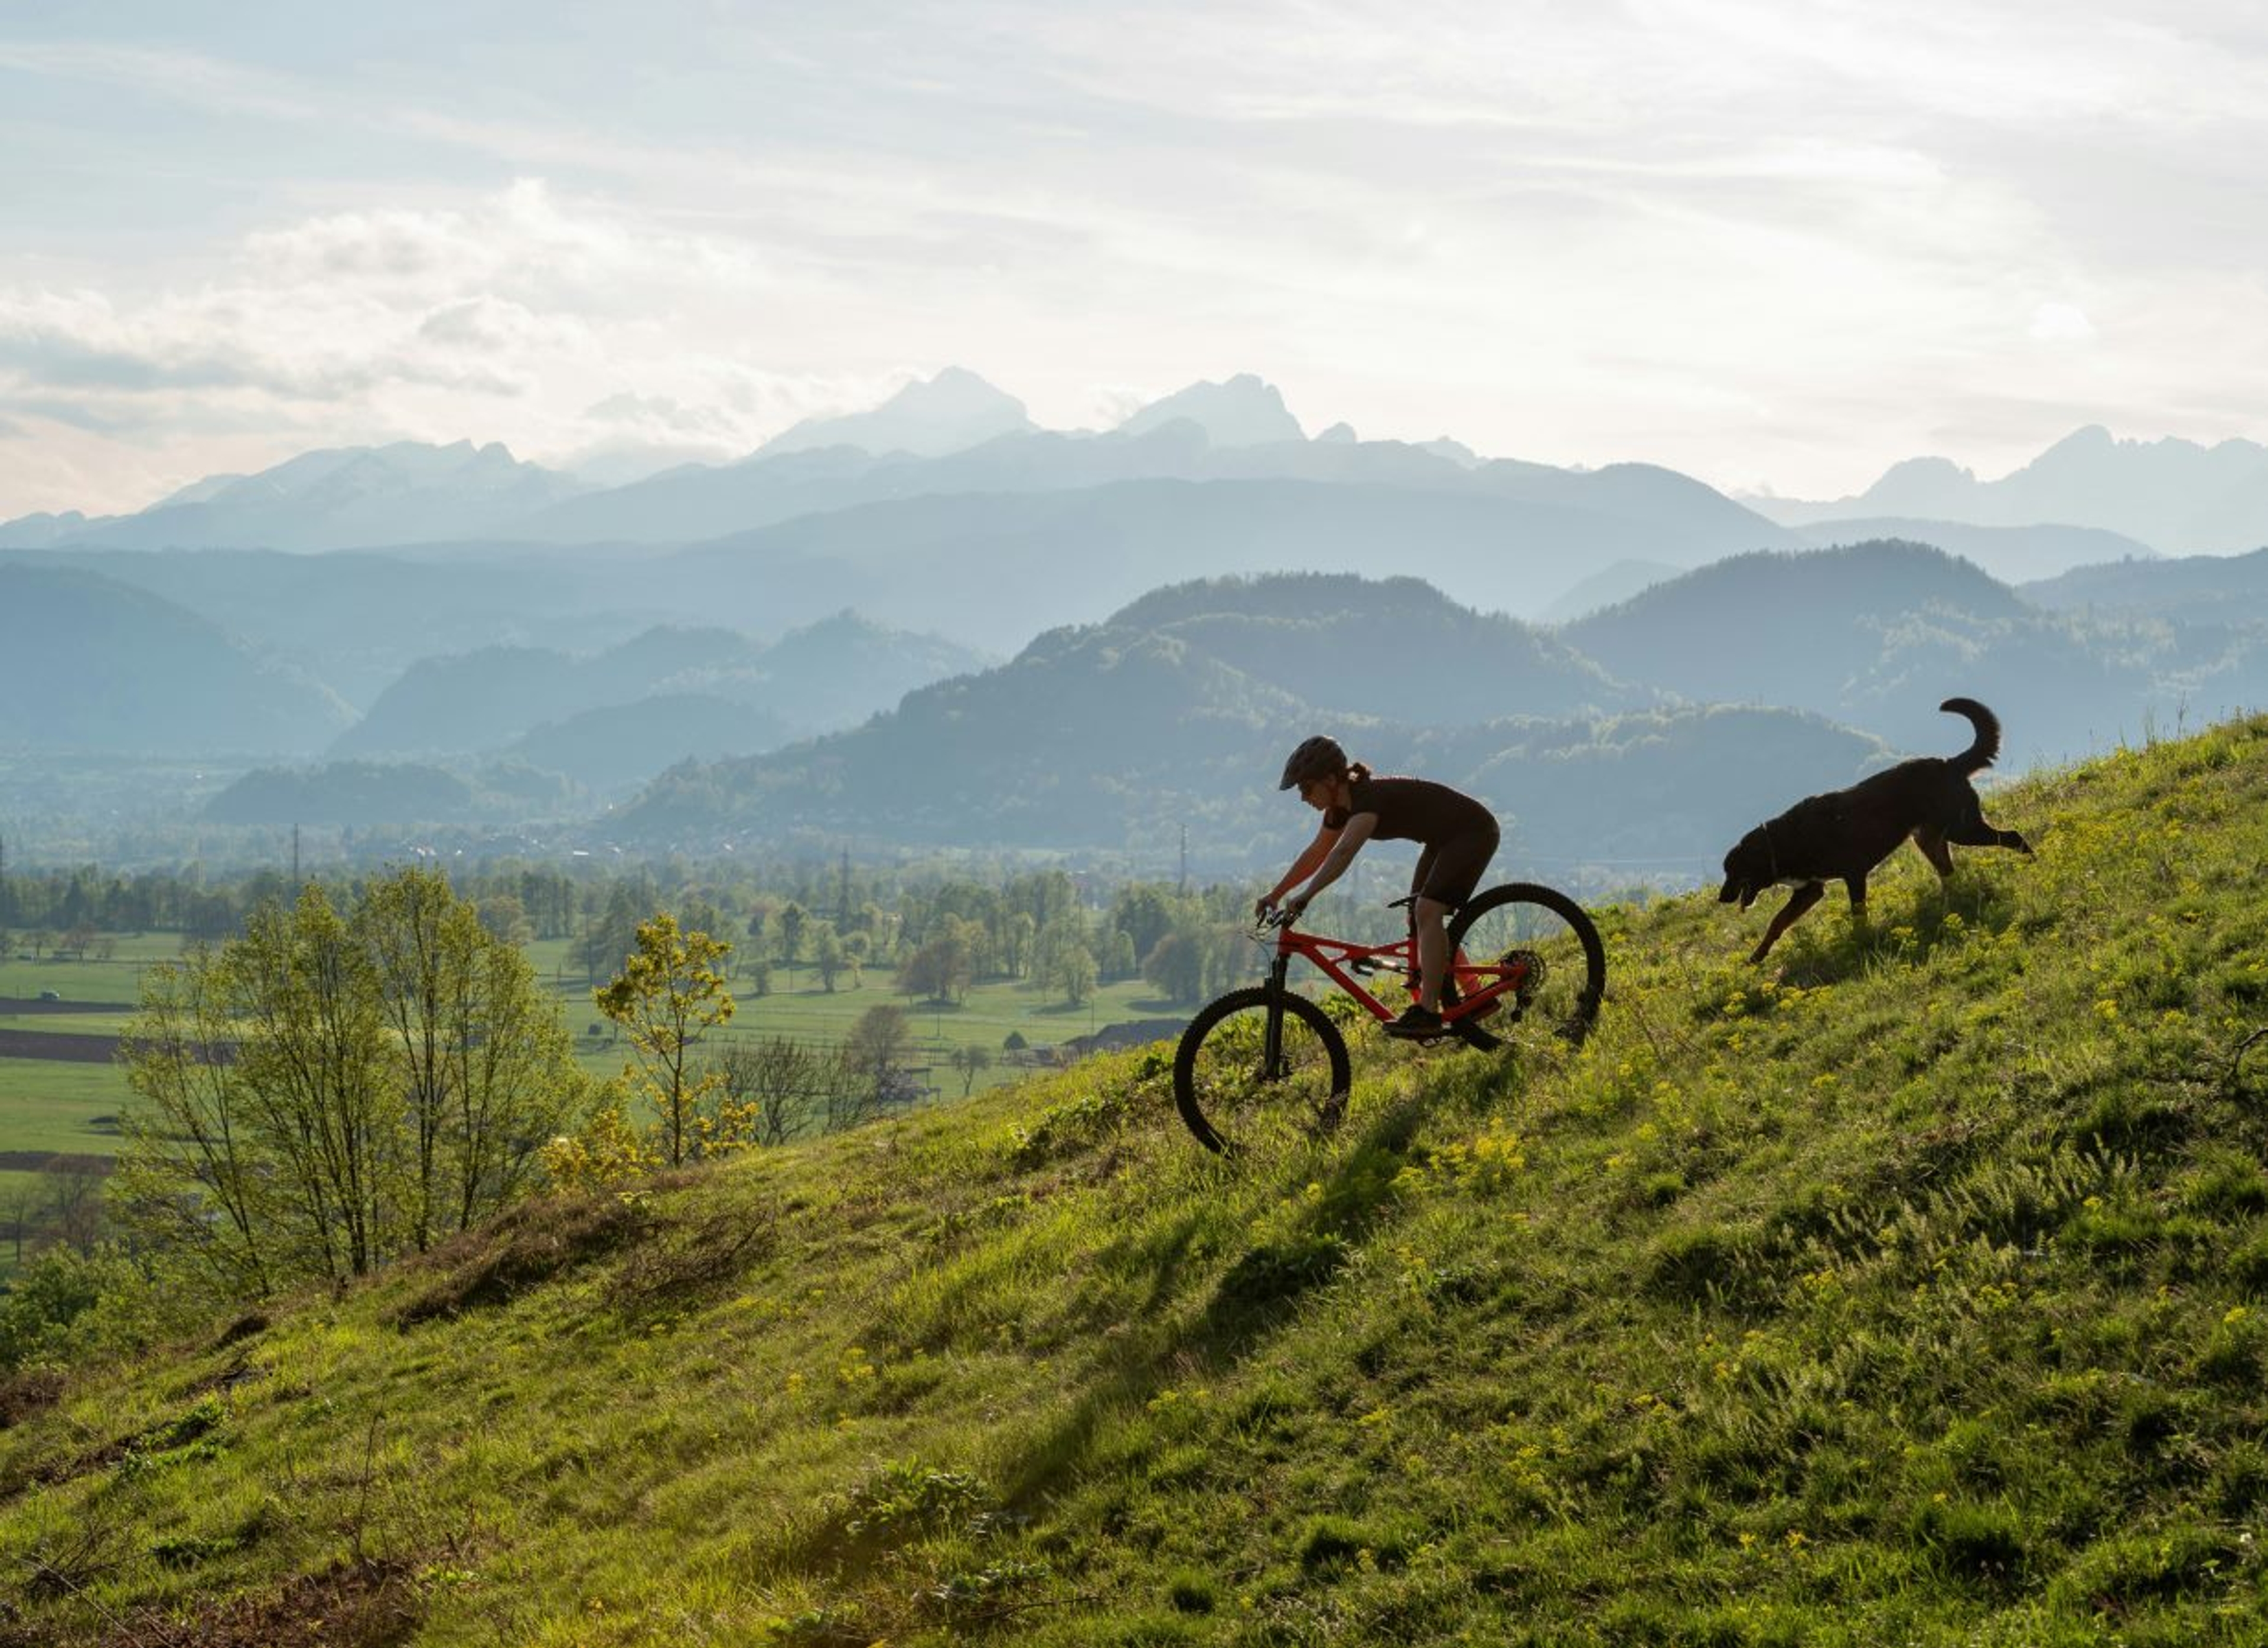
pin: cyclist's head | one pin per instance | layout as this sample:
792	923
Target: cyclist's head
1319	757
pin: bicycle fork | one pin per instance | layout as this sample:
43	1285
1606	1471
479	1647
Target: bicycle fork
1271	1040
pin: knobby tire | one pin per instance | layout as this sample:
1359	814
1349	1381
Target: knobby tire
1218	1082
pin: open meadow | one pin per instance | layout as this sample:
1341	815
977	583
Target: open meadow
62	1088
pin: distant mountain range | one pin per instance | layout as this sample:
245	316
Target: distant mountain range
345	498
624	714
362	794
87	664
2206	590
992	569
952	411
1175	709
2174	496
2088	498
799	641
954	435
1874	635
93	664
1176	712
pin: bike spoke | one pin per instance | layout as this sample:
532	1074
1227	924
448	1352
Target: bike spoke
1535	957
1241	1094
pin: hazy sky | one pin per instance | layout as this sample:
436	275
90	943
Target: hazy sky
1761	242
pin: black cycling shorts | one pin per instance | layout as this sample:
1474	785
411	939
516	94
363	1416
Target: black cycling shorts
1448	872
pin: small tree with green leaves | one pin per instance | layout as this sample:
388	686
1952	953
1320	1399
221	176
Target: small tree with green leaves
971	1062
670	993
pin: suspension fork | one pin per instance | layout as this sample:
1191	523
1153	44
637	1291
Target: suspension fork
1272	1041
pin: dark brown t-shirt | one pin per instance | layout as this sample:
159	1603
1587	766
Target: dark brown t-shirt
1414	809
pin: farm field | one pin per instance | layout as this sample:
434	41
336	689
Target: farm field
59	1084
59	1087
62	1088
798	1007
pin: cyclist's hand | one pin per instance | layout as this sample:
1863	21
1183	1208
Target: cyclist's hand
1262	909
1294	907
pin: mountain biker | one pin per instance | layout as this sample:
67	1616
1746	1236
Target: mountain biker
1459	837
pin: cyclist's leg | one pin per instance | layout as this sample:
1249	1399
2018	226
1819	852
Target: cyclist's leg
1427	857
1431	917
1447	873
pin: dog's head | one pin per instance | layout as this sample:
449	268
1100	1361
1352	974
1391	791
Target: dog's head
1748	869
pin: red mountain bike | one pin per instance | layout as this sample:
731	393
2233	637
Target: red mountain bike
1267	1058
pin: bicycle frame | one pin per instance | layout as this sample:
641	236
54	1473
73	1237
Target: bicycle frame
1340	962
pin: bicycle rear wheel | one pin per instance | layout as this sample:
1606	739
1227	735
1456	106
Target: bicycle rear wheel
1541	944
1227	1087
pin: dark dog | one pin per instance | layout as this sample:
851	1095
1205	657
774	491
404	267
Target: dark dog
1845	833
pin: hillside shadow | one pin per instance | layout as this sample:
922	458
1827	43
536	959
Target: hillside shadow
1902	927
1255	1297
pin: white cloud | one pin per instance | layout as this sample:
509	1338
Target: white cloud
497	319
1742	237
2061	323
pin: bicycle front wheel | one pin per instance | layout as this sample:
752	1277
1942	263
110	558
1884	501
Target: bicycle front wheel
1540	948
1233	1079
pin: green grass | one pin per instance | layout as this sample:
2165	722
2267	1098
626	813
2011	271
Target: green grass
48	1106
1913	1290
798	1007
115	980
53	1104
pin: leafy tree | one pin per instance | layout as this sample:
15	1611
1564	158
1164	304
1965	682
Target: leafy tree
671	993
1073	973
787	1083
505	918
312	1050
876	1054
1175	965
939	970
328	1091
1017	936
605	1152
971	1062
21	1198
608	940
792	920
71	1188
828	958
1145	912
482	1052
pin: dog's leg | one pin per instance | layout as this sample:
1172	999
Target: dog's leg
1983	835
1801	899
1933	849
1973	831
1857	884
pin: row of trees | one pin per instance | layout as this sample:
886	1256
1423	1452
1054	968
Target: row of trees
933	937
545	902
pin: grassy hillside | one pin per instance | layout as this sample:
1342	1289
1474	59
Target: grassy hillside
1908	1291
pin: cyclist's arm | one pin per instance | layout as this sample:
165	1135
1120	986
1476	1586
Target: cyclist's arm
1351	836
1304	865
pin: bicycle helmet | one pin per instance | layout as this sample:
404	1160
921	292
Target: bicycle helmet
1320	757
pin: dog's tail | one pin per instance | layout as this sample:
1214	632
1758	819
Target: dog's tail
1986	749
